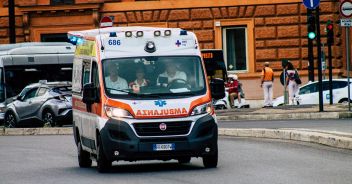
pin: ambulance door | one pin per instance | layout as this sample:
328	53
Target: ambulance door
87	118
96	107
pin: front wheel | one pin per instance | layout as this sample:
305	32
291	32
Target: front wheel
211	161
103	164
83	156
10	120
49	119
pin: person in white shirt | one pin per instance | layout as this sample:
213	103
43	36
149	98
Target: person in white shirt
171	73
114	81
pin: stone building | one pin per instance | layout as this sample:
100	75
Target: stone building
249	31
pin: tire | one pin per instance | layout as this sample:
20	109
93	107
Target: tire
211	161
103	164
49	118
10	120
84	160
184	160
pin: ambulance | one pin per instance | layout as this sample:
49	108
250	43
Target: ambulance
141	93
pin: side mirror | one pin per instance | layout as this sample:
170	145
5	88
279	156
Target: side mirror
90	94
217	88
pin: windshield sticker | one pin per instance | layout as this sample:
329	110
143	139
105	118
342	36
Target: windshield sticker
162	112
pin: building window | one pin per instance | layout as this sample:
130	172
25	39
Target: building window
235	48
62	2
59	37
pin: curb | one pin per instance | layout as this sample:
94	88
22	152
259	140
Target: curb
36	131
295	116
313	136
332	139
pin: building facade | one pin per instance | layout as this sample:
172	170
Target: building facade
250	32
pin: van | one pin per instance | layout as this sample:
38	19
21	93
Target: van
22	64
141	93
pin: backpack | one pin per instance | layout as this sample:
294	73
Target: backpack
297	79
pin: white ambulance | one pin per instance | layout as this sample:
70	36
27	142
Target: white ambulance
141	93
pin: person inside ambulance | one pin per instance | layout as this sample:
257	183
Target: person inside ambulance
171	75
140	80
114	81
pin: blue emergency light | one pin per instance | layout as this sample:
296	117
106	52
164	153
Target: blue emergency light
112	34
183	32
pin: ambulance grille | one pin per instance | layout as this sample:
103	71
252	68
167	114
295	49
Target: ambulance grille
153	129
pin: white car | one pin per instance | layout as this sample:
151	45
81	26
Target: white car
309	93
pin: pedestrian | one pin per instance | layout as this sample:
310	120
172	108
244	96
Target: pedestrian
267	85
292	82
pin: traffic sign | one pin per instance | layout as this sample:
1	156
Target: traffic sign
346	8
106	22
311	4
346	22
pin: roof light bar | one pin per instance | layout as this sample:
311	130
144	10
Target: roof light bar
139	33
167	33
157	33
128	34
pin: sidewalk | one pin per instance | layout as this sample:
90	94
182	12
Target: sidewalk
289	112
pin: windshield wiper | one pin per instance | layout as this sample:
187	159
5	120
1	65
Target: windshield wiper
122	90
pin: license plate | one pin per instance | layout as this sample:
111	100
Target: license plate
163	147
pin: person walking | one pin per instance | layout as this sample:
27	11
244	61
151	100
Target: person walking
291	76
267	85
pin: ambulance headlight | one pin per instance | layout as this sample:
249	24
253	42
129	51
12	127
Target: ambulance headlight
128	34
139	33
167	33
113	112
203	109
157	33
150	47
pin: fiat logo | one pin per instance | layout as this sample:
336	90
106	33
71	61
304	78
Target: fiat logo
162	126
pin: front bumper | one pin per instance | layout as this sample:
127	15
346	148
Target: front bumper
118	137
65	117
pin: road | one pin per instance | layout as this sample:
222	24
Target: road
342	125
52	159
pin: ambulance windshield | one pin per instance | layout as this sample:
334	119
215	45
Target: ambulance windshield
151	77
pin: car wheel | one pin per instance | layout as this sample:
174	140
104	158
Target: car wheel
49	118
10	120
184	160
211	161
103	164
83	156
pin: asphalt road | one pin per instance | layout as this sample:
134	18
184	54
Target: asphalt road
342	125
52	159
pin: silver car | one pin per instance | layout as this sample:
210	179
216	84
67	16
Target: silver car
46	103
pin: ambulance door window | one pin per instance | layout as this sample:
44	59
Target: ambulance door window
86	72
95	74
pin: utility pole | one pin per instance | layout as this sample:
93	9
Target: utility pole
320	82
12	21
310	47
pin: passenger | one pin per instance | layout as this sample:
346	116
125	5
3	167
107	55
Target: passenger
234	86
171	73
114	81
140	80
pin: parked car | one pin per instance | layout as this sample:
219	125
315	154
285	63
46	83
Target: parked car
46	103
309	93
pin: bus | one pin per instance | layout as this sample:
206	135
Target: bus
25	63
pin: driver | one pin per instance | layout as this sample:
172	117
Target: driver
171	73
114	81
